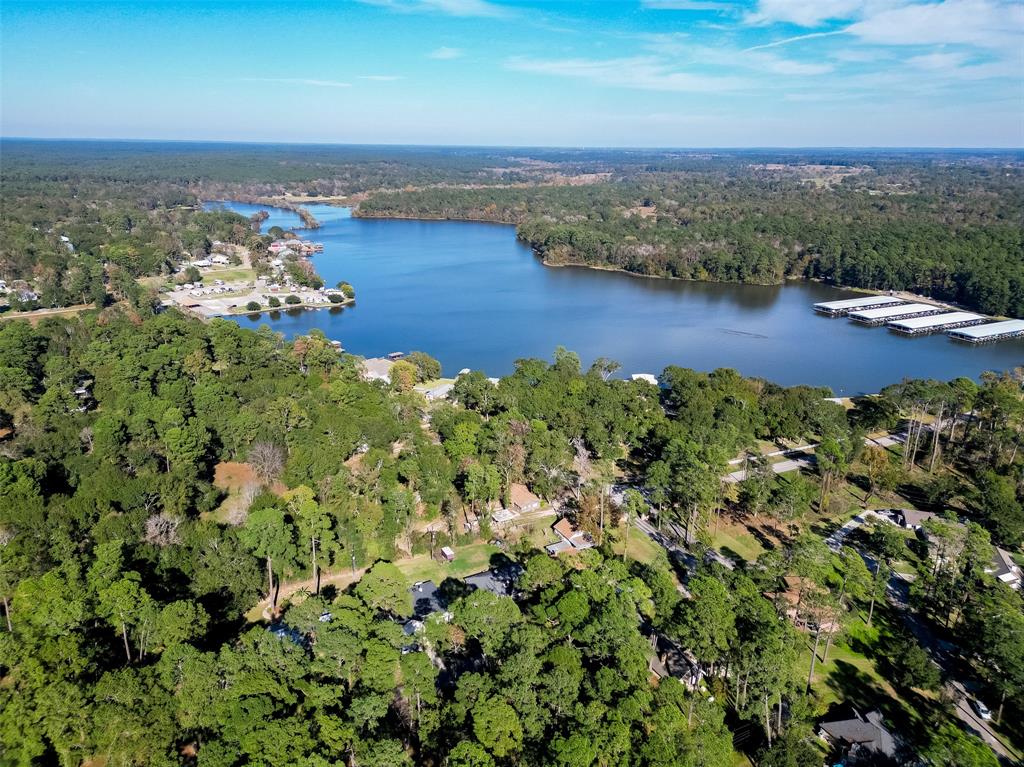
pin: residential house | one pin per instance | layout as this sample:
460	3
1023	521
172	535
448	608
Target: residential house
912	519
860	739
796	602
501	516
646	377
522	500
377	369
569	538
1003	568
439	392
670	660
220	259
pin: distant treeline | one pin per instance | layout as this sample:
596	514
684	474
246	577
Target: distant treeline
946	224
951	233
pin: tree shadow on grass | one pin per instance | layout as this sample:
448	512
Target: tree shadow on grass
856	688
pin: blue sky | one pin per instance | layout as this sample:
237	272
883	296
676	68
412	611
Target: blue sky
682	73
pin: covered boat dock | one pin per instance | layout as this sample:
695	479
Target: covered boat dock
843	307
886	314
993	331
919	326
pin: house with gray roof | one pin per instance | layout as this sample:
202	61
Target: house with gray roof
860	739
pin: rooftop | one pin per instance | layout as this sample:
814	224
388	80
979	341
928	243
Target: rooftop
855	303
991	329
865	731
520	495
936	320
906	310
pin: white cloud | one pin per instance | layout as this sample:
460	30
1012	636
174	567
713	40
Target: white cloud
382	78
298	81
955	66
766	62
688	5
638	72
450	7
804	13
982	23
932	61
444	53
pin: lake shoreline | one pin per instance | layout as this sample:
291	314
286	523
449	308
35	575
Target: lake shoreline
477	296
620	270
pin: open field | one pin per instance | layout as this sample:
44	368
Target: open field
468	560
40	314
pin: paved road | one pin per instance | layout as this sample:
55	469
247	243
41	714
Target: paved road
781	467
943	654
786	451
799	458
836	539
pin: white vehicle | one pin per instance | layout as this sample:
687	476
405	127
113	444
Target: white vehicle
981	709
218	282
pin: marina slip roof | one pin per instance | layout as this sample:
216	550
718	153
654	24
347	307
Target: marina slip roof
892	312
936	321
991	330
857	303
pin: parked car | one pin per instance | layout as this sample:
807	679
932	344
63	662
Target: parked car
981	709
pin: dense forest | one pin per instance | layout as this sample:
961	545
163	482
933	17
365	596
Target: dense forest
901	229
147	621
944	224
220	547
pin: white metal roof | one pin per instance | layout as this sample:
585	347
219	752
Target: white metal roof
991	329
853	303
935	321
884	312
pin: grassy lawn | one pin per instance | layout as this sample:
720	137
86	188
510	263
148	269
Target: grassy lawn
231	274
855	675
641	548
831	678
468	560
736	539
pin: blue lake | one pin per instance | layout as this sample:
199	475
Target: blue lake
472	296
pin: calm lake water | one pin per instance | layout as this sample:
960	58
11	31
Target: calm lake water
472	296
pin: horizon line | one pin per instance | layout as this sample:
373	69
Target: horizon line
578	147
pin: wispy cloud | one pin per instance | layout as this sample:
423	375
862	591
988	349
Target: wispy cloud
795	39
444	53
776	65
381	78
450	7
987	24
688	5
638	72
934	61
298	81
804	13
